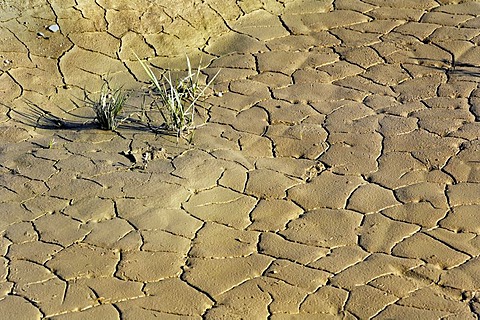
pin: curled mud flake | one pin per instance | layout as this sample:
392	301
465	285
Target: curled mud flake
41	35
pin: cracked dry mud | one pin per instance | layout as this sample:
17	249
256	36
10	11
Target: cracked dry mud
337	175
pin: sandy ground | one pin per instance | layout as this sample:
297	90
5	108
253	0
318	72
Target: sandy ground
337	175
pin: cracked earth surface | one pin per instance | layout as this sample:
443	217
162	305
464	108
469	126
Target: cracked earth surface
337	175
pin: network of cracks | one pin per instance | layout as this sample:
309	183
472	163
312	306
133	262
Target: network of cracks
336	176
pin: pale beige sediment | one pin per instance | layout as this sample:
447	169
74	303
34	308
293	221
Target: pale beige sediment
336	176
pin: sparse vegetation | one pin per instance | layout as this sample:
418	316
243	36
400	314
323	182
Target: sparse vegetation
176	99
51	143
108	106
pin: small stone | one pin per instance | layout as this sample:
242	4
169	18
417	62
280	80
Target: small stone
53	28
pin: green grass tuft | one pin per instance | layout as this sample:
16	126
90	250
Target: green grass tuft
108	106
178	97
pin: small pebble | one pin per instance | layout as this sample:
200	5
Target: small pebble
53	28
41	35
219	94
